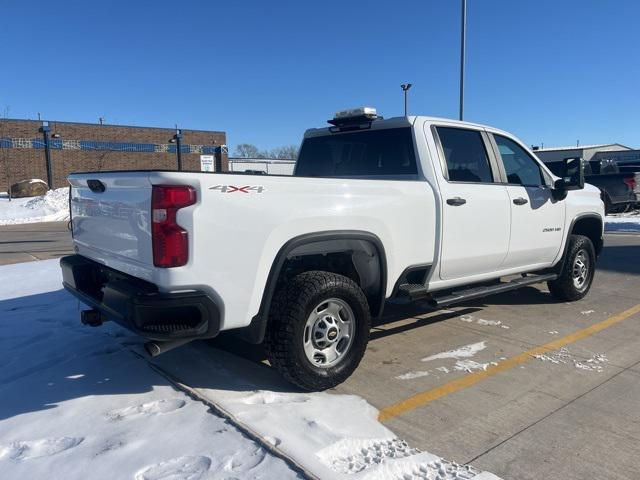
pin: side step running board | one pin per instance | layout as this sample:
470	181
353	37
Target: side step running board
416	292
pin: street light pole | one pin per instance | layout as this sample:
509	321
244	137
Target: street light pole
463	34
405	87
178	138
47	153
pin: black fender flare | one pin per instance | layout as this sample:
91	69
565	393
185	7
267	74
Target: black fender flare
598	248
255	332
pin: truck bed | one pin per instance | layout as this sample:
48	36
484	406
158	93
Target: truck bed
240	222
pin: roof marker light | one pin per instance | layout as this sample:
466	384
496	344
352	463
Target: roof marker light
367	112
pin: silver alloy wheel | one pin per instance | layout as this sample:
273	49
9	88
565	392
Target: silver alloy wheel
580	270
328	333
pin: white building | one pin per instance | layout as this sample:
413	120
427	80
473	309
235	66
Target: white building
587	152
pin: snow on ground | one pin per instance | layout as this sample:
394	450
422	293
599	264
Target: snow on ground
80	402
623	222
462	355
77	404
595	363
483	322
52	207
466	351
471	366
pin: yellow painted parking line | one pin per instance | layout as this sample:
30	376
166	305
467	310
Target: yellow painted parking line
423	398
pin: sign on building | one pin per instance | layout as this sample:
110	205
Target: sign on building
207	163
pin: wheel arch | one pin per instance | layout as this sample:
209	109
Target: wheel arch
591	226
364	249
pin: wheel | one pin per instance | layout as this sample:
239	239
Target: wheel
625	208
608	206
577	272
318	329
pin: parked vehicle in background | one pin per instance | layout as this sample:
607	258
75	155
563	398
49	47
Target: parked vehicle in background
620	190
413	207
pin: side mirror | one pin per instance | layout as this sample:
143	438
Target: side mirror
572	175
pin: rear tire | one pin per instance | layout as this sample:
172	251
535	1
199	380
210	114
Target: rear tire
577	272
318	329
608	206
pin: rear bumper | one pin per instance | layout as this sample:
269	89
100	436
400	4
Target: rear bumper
137	304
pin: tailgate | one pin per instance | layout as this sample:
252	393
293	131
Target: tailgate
111	220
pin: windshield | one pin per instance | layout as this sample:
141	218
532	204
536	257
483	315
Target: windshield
384	153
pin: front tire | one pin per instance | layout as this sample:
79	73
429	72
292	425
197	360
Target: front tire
318	329
578	270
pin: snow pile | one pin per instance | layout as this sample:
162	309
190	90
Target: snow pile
52	207
78	400
623	222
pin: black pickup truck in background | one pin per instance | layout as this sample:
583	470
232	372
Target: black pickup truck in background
620	189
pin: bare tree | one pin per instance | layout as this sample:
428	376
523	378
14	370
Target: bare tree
288	152
246	150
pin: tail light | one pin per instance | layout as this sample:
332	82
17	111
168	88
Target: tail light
170	240
631	181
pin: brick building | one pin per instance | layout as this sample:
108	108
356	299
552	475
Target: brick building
93	147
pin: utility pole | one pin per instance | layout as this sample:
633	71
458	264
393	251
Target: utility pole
463	34
405	88
47	153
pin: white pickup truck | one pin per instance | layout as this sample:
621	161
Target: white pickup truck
414	207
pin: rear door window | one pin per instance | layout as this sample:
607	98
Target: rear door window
385	153
465	155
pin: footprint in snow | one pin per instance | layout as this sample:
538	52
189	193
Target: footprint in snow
41	337
157	407
364	454
244	461
109	445
107	350
43	447
443	470
181	468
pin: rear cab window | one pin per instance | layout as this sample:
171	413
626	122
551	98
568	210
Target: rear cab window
380	153
465	154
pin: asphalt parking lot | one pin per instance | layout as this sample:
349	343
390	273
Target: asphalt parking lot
573	413
541	389
34	241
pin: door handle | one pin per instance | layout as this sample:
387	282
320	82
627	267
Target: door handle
520	201
456	201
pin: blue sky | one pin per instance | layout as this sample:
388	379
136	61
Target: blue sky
263	71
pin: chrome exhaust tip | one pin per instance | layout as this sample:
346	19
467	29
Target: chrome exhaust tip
155	348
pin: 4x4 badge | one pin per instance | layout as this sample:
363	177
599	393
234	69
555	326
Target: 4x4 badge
234	189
